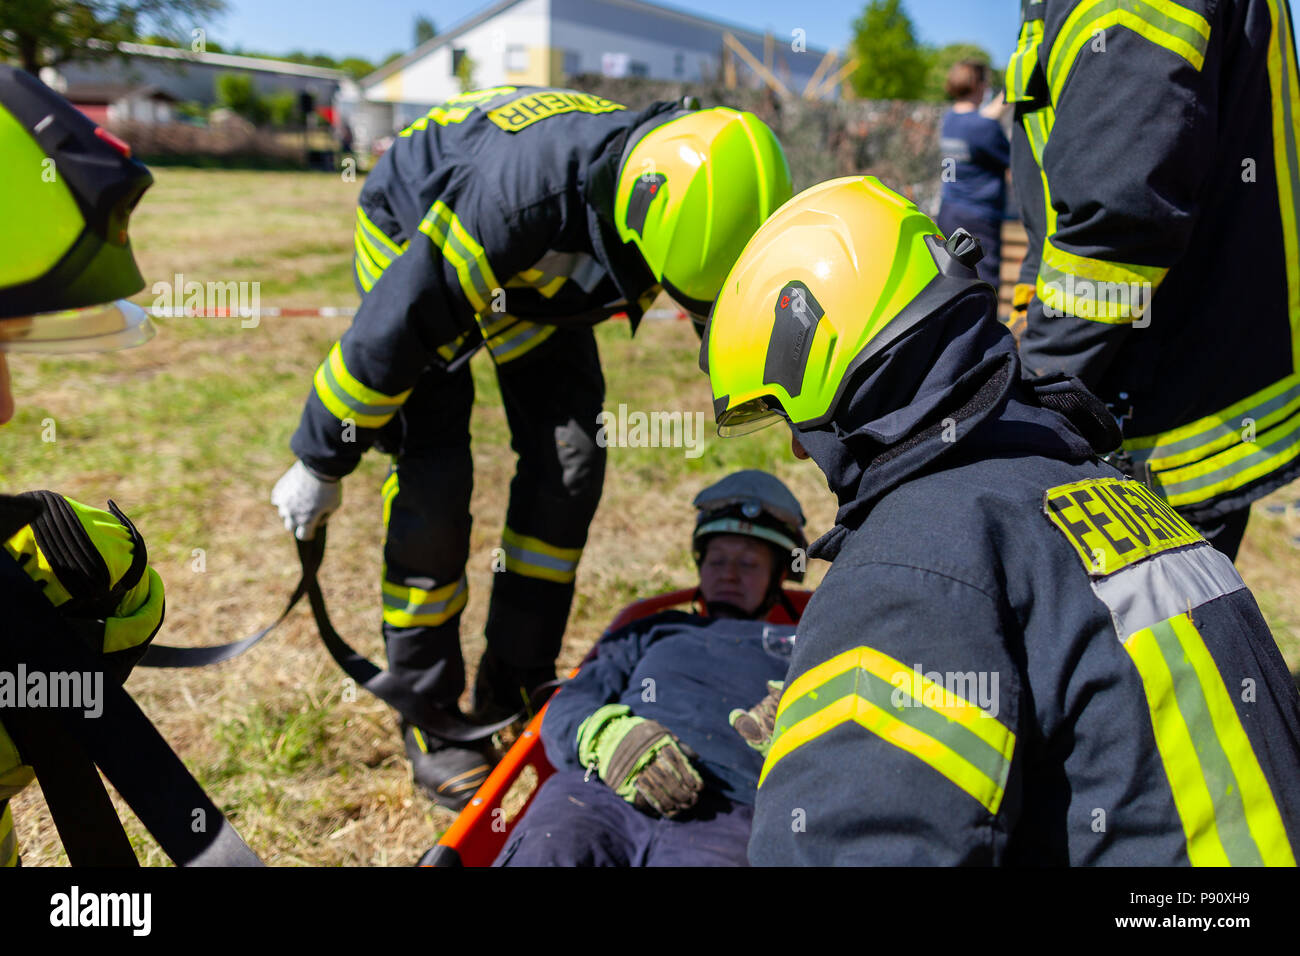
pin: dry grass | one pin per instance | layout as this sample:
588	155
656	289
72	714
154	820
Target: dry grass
189	433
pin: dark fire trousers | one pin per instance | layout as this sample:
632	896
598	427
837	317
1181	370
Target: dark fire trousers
552	398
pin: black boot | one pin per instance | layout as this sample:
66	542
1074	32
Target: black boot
449	773
501	689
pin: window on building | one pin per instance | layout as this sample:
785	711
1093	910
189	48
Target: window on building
679	64
572	63
457	54
636	68
516	58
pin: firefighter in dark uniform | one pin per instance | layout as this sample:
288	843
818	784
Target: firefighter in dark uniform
81	600
1018	655
1164	233
511	218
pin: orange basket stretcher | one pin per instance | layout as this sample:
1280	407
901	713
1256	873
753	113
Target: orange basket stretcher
482	828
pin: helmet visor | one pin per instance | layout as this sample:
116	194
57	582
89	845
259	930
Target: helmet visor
99	328
747	417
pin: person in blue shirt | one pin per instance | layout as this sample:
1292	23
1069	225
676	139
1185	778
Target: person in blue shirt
648	772
976	155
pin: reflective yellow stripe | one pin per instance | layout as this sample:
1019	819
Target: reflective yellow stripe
1224	802
543	282
520	339
345	397
448	351
1284	83
1166	24
1095	289
378	238
389	492
8	837
1020	69
453	111
367	271
467	257
1201	438
953	736
366	282
415	607
1234	468
535	558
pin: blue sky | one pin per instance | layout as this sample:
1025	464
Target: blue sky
375	28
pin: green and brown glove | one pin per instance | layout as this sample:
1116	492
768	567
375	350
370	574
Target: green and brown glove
757	723
640	760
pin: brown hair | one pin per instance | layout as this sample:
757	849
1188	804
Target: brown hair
964	77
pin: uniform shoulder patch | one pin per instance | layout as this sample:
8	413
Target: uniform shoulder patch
1113	523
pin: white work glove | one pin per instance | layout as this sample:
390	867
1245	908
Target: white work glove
305	499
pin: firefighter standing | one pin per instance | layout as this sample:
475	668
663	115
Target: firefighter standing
1018	655
515	218
1164	228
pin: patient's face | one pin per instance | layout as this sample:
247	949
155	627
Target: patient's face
736	570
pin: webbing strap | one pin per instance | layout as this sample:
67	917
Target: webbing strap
385	685
120	740
83	814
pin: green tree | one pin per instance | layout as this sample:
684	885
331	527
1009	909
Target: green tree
236	92
892	65
38	33
356	67
424	30
942	60
465	73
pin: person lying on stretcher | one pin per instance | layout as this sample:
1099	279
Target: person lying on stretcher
648	772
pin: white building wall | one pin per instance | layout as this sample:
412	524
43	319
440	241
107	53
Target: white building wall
518	37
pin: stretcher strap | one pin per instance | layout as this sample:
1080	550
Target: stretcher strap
385	685
120	740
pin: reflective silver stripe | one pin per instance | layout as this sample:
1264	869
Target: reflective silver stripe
537	559
1289	440
415	610
517	338
1282	30
1215	432
360	407
1166	585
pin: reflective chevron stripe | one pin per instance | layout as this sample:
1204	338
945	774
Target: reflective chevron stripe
905	709
1183	32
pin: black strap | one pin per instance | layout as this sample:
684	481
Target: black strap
392	690
119	739
83	814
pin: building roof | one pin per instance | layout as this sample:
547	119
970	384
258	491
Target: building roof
487	13
258	63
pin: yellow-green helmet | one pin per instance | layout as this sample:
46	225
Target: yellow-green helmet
692	189
65	257
836	276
